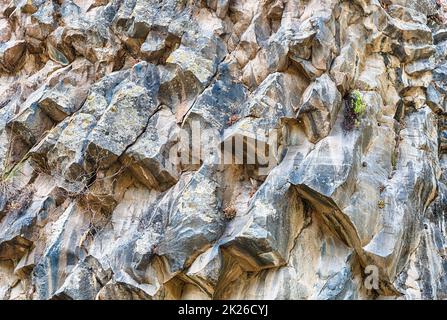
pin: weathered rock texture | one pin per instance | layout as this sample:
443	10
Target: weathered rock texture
96	94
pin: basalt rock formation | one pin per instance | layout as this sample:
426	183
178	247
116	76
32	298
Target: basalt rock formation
340	191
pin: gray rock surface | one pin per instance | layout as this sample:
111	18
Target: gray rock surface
223	149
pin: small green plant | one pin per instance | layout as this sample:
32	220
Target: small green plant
355	107
394	160
358	104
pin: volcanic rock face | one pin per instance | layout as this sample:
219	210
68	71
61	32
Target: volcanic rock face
223	149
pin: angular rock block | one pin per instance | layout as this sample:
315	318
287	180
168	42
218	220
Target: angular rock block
84	282
408	31
39	152
277	97
149	158
12	54
420	66
250	142
62	252
123	121
101	93
203	69
262	237
412	52
67	156
178	90
319	107
113	290
195	220
30	124
215	106
93	207
59	104
344	69
206	270
20	229
68	95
